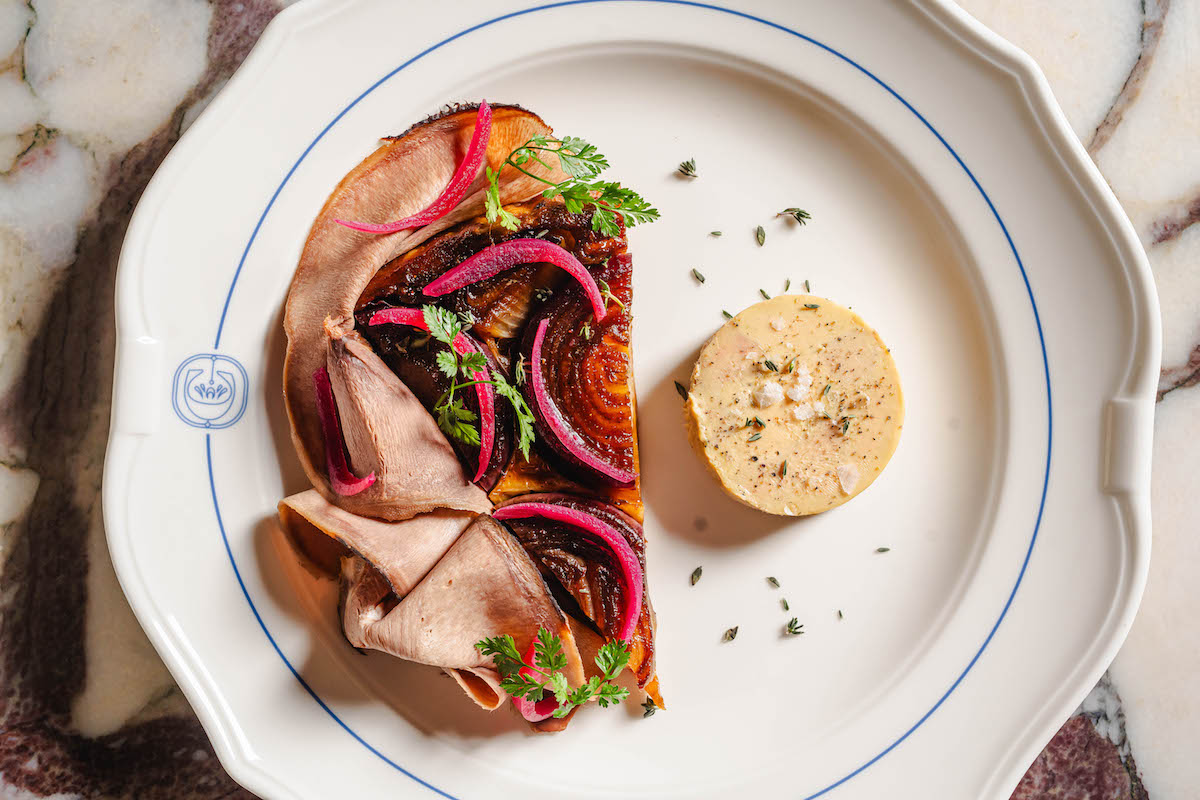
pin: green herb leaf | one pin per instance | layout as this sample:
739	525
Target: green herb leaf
443	324
688	168
457	421
715	233
794	628
648	708
773	581
696	274
683	392
585	330
798	214
825	391
612	657
840	614
807	287
755	437
787	285
760	235
765	296
883	549
491	203
696	573
525	419
769	364
582	163
607	294
470	363
811	306
783	602
447	363
519	370
783	469
730	634
546	672
726	314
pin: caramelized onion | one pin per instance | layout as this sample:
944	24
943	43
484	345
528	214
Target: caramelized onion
579	386
631	568
343	481
583	571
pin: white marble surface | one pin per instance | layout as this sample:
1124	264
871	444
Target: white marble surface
91	97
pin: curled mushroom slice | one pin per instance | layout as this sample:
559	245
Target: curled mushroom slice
402	177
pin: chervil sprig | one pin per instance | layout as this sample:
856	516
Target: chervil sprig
582	163
452	415
545	673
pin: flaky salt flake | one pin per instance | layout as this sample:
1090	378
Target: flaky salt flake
803	412
778	324
848	477
768	394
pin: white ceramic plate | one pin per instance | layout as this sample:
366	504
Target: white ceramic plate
951	206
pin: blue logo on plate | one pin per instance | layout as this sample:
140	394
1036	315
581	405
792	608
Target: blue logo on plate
210	391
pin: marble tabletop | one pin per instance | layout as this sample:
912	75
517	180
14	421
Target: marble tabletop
92	96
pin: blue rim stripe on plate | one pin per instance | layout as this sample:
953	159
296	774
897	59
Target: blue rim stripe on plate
776	26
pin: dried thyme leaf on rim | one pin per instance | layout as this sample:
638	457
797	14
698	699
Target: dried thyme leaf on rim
696	573
683	392
765	296
811	306
799	214
755	437
726	314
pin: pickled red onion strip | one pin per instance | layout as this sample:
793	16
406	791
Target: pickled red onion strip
506	255
455	190
487	396
343	481
631	568
534	710
550	413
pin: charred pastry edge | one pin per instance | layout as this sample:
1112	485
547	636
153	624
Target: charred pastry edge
450	109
